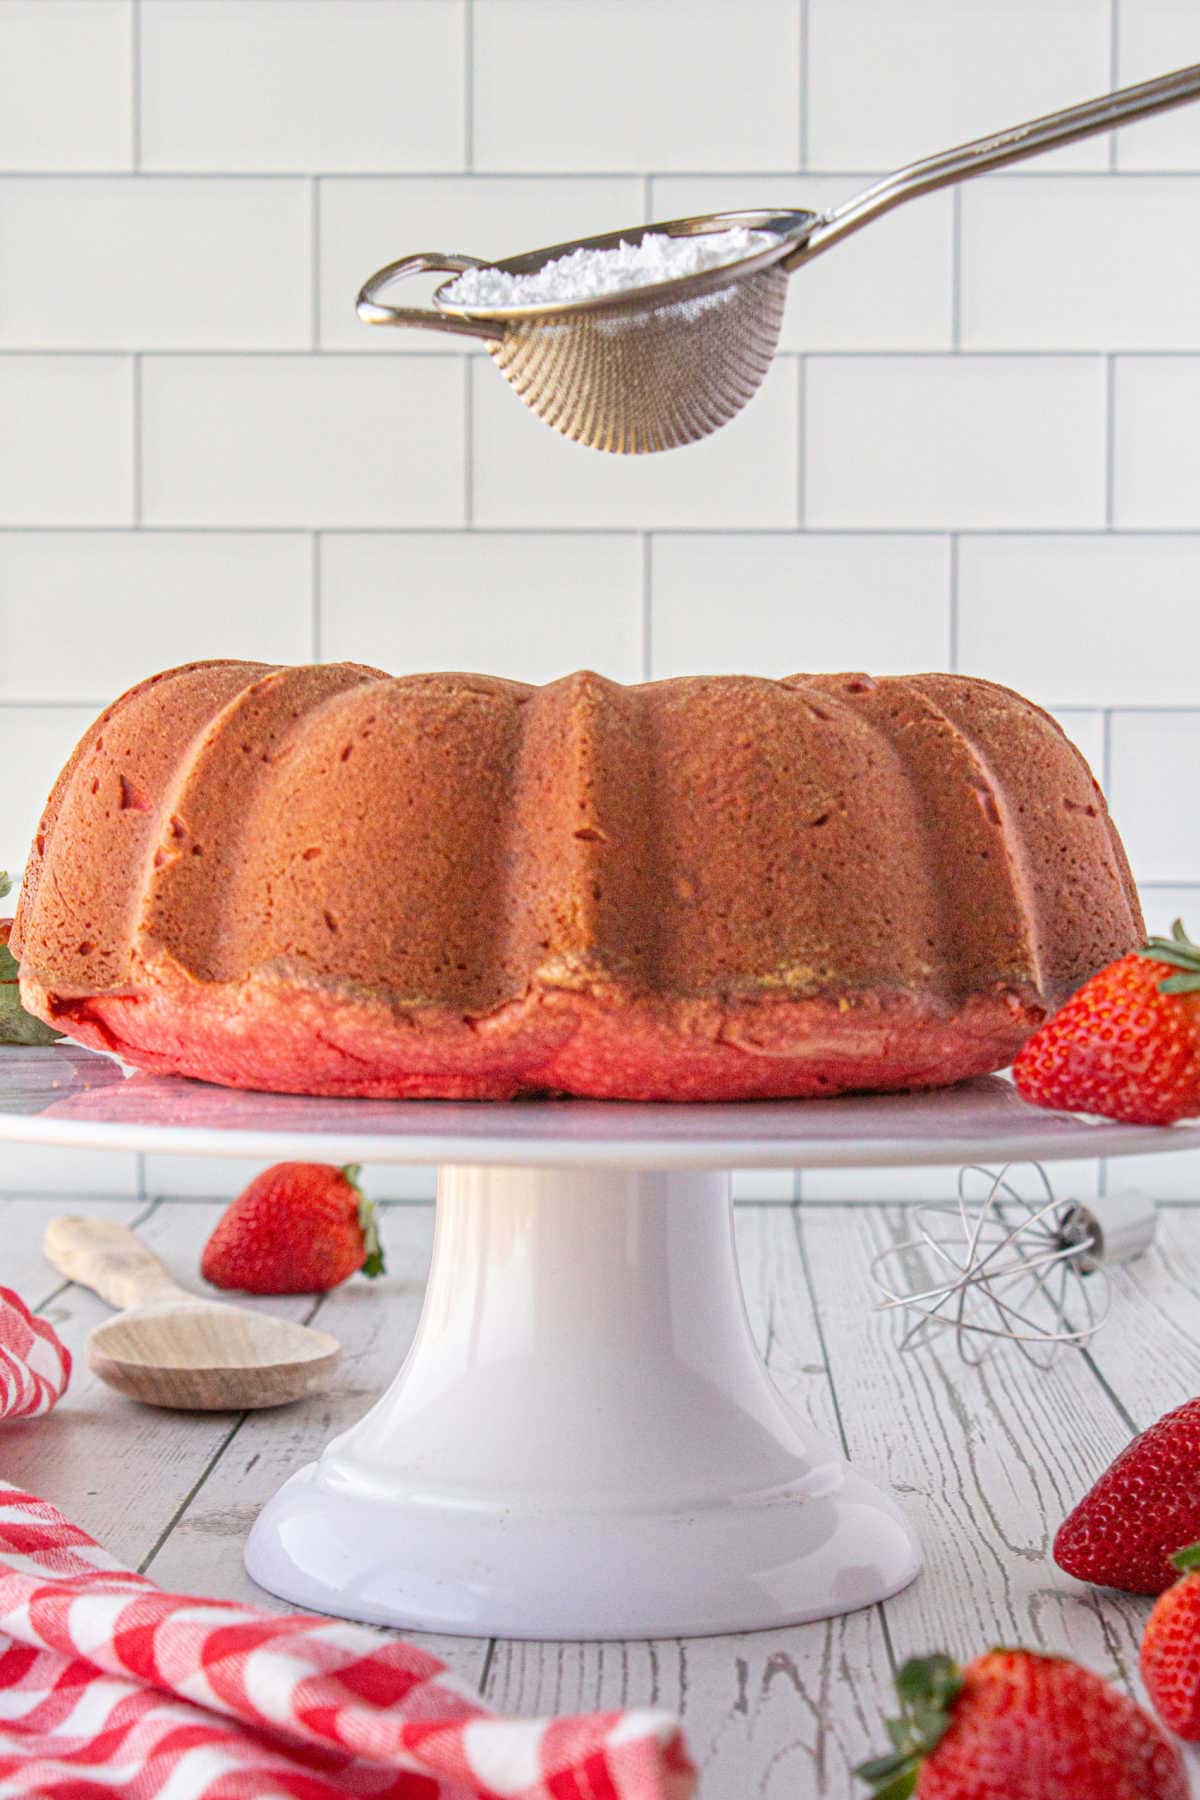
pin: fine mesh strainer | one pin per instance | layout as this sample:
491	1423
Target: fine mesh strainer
662	365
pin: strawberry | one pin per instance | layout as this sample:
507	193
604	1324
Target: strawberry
1171	1649
298	1228
1144	1507
1127	1044
1016	1725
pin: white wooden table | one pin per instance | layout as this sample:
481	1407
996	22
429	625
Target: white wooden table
988	1460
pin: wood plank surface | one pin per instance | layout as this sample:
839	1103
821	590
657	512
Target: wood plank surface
988	1460
121	1470
774	1714
374	1322
22	1225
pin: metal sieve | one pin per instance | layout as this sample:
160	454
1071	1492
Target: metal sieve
665	364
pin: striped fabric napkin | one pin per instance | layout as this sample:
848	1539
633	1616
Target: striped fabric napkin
34	1366
111	1689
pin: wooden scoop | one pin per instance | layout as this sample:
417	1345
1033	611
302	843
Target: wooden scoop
171	1348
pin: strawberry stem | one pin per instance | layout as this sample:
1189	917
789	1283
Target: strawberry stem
1178	952
369	1225
928	1687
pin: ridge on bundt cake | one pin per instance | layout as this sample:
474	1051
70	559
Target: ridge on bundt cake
326	880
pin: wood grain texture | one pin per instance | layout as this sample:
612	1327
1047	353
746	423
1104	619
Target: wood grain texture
770	1714
22	1226
121	1470
374	1322
988	1460
1149	1349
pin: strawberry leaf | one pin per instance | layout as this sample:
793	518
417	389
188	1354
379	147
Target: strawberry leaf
1178	952
931	1680
369	1224
928	1687
882	1768
1187	1559
5	883
16	1025
891	1777
1180	984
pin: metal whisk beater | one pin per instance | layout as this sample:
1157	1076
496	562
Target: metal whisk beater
997	1265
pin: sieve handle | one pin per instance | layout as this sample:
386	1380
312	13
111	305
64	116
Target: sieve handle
995	152
372	311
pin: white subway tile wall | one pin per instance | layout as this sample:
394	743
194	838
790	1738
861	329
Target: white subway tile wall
976	450
1156	450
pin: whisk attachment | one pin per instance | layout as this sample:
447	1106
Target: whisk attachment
1009	1262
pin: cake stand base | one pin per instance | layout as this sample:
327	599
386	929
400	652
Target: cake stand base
583	1441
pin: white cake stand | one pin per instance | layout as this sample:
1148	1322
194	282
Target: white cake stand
583	1441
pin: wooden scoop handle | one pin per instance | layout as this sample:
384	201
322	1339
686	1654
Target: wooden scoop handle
108	1259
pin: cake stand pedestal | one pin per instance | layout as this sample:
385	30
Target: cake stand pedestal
583	1441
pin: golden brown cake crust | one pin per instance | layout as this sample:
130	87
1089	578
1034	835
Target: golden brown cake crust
767	867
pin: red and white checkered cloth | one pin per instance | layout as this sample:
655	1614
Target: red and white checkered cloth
111	1689
35	1366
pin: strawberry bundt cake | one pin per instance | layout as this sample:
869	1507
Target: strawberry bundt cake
325	880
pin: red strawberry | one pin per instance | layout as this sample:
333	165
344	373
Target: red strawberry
299	1228
1144	1507
1171	1649
1015	1725
1127	1044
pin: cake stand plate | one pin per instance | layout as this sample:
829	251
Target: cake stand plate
583	1441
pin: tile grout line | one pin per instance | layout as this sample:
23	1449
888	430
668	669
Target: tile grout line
314	251
272	353
1110	439
469	86
952	622
956	270
314	570
1114	64
801	442
136	466
14	172
805	87
236	528
64	1197
135	86
468	444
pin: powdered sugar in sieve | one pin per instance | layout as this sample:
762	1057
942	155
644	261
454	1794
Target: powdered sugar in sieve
590	274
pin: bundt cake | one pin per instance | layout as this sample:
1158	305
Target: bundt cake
326	880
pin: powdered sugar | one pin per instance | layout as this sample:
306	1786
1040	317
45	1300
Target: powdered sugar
589	274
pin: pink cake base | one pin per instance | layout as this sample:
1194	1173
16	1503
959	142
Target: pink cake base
273	1034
